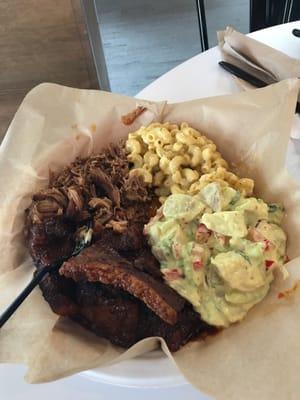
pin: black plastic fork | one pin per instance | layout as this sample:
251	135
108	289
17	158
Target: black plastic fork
37	277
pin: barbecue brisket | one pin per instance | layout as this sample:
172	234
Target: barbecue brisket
114	287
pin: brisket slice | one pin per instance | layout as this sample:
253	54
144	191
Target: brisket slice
99	263
133	246
131	240
188	326
59	292
108	312
50	241
146	262
116	315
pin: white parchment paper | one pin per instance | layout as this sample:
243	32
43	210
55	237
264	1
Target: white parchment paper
257	358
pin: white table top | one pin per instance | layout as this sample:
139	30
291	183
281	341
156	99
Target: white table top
201	76
198	77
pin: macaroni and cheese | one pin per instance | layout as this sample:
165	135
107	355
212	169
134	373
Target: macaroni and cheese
179	159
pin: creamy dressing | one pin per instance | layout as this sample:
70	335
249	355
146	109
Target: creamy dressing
218	250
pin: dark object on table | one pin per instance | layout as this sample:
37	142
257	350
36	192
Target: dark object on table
296	32
240	73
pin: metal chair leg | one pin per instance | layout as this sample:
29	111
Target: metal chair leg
94	33
288	7
202	24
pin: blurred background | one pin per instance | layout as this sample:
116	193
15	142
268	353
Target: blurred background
143	39
117	45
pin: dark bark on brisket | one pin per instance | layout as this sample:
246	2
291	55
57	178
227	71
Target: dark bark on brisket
99	263
146	262
59	292
108	312
116	315
131	240
51	240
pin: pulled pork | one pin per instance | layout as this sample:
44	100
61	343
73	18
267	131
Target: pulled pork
95	190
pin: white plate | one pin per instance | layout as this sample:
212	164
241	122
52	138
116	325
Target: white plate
152	370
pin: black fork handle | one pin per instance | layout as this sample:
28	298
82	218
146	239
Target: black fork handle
22	296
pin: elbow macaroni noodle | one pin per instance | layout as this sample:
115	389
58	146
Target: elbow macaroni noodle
178	159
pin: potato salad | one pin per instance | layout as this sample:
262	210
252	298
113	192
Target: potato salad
218	249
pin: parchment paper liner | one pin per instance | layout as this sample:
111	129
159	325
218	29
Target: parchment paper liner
258	358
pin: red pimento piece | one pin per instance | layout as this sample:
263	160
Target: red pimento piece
172	274
203	229
198	265
203	233
269	263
